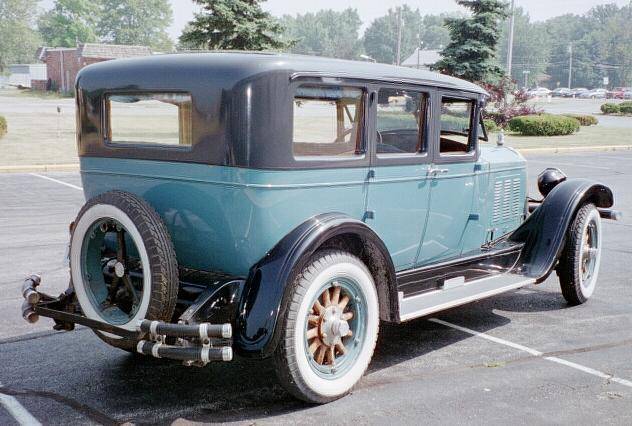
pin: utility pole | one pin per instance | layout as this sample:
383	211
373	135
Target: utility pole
510	38
399	35
570	64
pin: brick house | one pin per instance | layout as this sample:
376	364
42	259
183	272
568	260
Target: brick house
63	63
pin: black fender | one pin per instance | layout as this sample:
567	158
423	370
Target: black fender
544	232
265	296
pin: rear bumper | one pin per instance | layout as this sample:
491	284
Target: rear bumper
193	343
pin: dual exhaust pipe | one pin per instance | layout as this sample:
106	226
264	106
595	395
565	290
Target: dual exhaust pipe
194	340
189	353
31	298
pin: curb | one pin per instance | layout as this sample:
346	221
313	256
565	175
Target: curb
556	150
28	168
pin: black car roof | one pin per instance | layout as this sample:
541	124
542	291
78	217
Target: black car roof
245	65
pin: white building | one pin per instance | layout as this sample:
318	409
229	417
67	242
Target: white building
20	75
422	59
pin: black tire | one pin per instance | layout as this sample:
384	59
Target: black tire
294	367
147	226
578	267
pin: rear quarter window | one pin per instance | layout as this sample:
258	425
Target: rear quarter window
327	122
162	119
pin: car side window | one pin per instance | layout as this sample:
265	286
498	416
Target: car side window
328	121
457	116
149	119
401	119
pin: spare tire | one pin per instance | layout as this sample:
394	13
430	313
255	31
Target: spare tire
122	264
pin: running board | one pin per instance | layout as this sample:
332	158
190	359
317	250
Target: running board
455	295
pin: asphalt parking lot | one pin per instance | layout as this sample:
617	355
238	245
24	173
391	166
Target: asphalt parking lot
524	357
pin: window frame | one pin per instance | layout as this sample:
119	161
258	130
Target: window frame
422	124
401	159
106	129
322	161
473	145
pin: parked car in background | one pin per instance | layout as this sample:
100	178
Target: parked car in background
627	94
594	94
578	91
617	92
538	92
561	92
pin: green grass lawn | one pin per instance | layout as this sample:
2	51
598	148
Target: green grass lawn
587	136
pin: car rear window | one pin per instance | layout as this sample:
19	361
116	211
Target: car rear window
327	121
149	119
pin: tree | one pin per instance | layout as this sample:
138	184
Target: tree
531	48
18	39
380	38
233	24
136	22
471	54
325	33
614	42
69	22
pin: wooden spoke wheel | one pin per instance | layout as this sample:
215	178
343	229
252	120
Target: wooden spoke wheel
330	328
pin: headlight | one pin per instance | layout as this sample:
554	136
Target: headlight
549	179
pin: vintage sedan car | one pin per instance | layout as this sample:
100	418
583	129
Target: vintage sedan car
283	206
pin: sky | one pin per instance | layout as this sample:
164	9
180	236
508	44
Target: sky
539	10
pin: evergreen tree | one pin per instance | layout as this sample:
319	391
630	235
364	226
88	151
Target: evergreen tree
471	54
233	25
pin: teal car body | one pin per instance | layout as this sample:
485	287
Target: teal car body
226	218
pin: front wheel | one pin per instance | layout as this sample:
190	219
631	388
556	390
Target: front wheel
329	329
579	264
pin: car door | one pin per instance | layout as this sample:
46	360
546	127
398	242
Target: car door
453	176
399	186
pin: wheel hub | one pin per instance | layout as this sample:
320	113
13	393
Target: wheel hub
328	325
119	269
332	326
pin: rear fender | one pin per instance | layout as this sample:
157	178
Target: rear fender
265	296
544	232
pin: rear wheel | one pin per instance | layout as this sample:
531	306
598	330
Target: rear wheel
330	328
579	264
123	264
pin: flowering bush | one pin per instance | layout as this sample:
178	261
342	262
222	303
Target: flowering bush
499	109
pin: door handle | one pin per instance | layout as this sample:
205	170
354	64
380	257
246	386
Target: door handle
436	171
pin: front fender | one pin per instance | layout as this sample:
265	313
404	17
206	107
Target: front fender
544	232
265	298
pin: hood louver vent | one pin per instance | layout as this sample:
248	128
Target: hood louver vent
508	203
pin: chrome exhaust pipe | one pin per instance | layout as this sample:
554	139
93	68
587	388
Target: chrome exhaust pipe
28	313
201	354
202	331
28	289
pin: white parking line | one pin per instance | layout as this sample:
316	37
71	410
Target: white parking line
57	181
534	352
17	410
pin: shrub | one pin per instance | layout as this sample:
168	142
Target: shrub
490	125
609	108
584	119
544	125
3	126
626	107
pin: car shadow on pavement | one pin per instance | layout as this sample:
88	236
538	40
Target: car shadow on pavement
247	390
126	387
